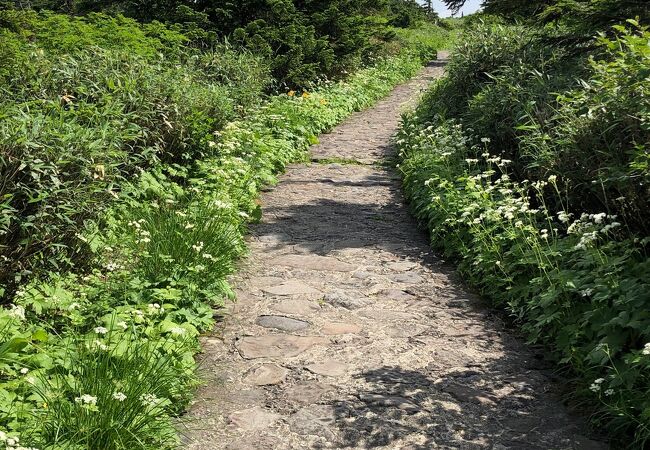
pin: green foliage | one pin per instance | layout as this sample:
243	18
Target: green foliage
528	164
75	125
103	359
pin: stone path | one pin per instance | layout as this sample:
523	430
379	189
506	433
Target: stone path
349	333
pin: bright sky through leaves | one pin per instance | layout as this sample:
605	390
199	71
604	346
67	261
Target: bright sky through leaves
471	6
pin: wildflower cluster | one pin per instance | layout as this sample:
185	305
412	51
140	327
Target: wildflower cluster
565	279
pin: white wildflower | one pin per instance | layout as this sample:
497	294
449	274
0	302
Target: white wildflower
189	226
563	216
178	331
24	370
646	349
119	396
598	218
100	345
148	399
101	330
86	399
485	140
609	391
17	312
552	178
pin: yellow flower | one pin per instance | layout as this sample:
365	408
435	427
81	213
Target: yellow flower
291	93
323	101
305	94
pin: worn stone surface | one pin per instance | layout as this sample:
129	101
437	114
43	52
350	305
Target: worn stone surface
290	287
313	262
300	307
405	357
253	418
340	328
329	368
274	346
282	323
266	374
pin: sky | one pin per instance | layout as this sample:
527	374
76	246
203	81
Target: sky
470	7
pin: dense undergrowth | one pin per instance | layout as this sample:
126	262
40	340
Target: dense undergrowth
130	164
528	163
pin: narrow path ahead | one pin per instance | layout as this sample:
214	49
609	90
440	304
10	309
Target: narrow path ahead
349	333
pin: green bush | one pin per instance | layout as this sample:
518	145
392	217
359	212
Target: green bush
75	125
536	183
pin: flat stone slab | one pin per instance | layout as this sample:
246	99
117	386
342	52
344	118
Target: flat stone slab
291	287
401	266
266	375
255	418
275	346
308	392
334	328
397	294
313	262
314	420
384	314
344	300
468	394
296	306
329	368
390	401
407	277
282	323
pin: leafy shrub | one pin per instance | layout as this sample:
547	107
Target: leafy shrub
517	182
104	359
75	126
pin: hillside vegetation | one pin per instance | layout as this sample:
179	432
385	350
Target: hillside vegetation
528	163
132	150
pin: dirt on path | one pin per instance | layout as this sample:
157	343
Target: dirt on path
350	333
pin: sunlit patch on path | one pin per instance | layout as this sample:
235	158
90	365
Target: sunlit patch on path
349	333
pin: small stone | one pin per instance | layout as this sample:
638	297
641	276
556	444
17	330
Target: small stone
274	238
389	401
401	266
333	328
281	323
329	368
344	300
467	394
290	287
307	392
274	346
384	314
266	374
397	294
313	262
255	418
408	277
296	306
361	275
314	420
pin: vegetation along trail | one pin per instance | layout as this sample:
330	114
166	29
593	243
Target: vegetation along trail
349	333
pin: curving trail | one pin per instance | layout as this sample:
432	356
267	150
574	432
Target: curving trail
349	333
